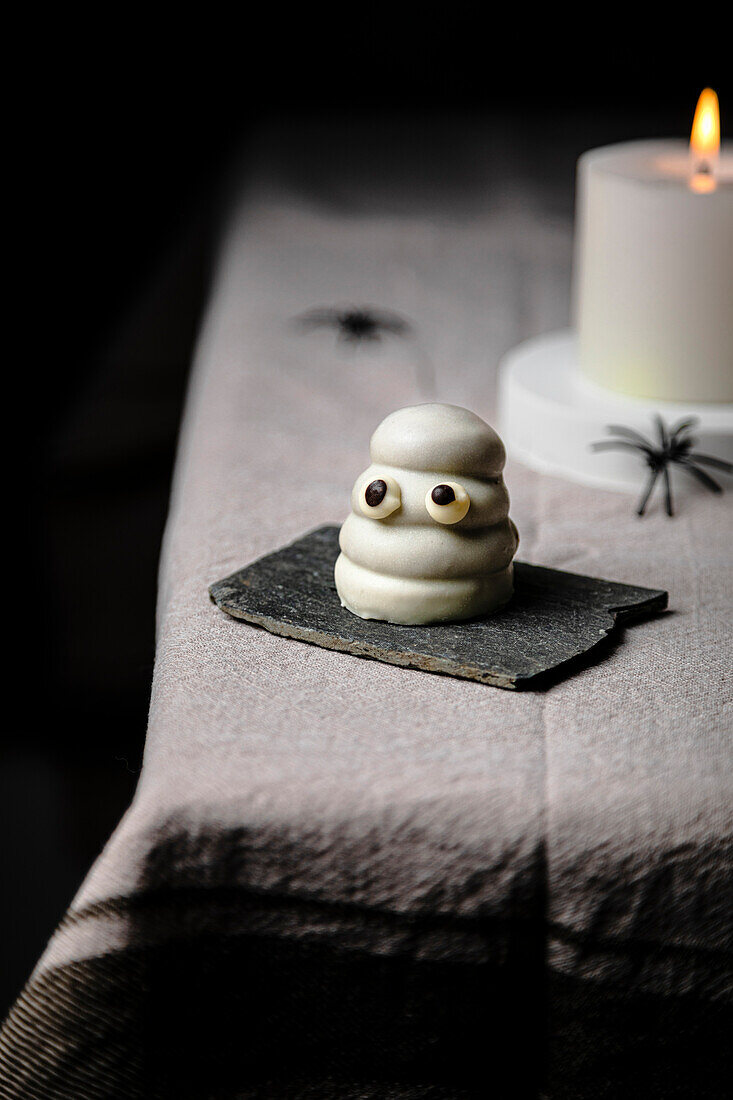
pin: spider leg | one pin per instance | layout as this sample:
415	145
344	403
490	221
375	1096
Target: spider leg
703	477
389	320
663	437
629	433
653	475
709	460
682	425
316	318
396	327
611	444
668	491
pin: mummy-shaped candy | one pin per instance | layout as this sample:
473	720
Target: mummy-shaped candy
429	537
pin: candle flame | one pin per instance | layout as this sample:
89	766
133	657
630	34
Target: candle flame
705	142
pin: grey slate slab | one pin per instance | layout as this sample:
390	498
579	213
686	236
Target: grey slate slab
554	619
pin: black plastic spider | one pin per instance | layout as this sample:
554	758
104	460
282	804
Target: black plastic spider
675	446
355	324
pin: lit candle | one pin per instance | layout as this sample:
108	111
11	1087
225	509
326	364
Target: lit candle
705	143
653	278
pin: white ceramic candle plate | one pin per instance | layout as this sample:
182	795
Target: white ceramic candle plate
550	415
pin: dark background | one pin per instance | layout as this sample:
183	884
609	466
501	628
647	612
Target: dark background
122	139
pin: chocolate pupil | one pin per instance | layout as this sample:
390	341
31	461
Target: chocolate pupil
443	494
375	493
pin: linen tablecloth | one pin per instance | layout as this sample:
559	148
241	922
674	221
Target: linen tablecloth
340	878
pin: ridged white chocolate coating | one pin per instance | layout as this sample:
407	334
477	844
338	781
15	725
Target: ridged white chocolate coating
443	438
428	552
407	567
414	602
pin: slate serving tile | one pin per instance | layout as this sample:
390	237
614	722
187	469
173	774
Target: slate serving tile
553	620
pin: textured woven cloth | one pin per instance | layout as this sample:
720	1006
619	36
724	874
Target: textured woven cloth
340	878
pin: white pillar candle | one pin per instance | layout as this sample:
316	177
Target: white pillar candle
653	276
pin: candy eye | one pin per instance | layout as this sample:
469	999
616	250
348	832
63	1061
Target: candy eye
447	502
380	498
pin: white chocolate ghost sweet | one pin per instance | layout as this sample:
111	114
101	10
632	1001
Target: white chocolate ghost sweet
429	537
